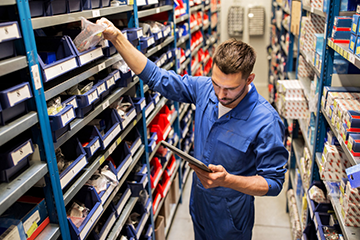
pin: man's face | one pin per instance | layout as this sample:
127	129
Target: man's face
230	89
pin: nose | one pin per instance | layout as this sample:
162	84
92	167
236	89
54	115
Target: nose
222	93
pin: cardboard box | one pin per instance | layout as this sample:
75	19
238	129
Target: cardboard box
160	228
174	192
352	44
165	210
295	17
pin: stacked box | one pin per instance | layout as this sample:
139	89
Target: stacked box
334	163
350	205
304	70
318	4
305	23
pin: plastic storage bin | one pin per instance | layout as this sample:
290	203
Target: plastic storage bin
85	102
13	102
36	8
145	212
161	126
134	33
89	142
7	44
104	195
111	130
107	221
318	207
156	173
75	5
139	103
135	139
146	42
87	195
14	157
60	122
152	142
121	159
129	115
91	4
121	198
150	104
137	183
54	7
56	56
72	150
109	50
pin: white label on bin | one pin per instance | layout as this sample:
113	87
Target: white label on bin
145	182
106	104
94	147
167	188
139	33
157	179
124	167
123	202
135	146
166	132
36	76
92	97
159	35
112	148
35	217
185	131
66	179
158	63
153	146
111	136
157	98
96	13
88	57
110	82
101	66
157	10
116	75
141	227
169	55
108	228
142	104
149	109
106	195
150	41
12	235
352	58
67	117
19	154
157	201
60	68
101	88
18	95
9	32
91	222
129	118
73	103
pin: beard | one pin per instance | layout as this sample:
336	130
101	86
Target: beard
231	100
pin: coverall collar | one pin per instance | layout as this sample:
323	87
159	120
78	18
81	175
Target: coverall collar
245	107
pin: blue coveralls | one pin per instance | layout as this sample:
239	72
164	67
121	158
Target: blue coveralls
246	141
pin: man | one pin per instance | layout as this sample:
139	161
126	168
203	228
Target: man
237	134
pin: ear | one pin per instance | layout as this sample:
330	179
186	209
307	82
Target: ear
250	78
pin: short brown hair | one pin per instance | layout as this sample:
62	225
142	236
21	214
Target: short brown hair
234	56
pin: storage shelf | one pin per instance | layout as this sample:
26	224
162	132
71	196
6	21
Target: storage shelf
157	48
42	22
172	214
10	192
51	232
196	28
314	10
286	27
353	160
145	13
160	104
12	64
196	8
206	26
350	233
90	169
297	200
119	224
207	8
117	188
7	2
63	83
343	50
309	60
163	199
77	124
169	65
184	65
306	83
305	136
181	19
193	53
17	126
298	147
184	111
182	40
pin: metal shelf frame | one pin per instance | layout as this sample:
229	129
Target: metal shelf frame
157	48
182	40
181	19
152	11
12	64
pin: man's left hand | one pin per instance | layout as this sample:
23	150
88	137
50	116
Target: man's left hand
211	180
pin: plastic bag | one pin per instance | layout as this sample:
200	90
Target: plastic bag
90	35
78	213
54	106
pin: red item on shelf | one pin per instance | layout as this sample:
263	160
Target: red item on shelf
155	178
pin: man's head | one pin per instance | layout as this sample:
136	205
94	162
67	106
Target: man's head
232	66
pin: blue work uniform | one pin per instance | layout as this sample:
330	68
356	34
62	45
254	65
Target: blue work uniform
246	141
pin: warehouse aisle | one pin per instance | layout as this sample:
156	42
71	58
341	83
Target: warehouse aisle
271	220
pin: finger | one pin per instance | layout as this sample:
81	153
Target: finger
216	168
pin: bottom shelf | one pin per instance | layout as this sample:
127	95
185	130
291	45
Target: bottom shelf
172	215
51	232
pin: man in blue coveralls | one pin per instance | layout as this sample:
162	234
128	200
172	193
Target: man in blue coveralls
238	135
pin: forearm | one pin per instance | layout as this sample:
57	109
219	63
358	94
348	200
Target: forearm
253	185
133	57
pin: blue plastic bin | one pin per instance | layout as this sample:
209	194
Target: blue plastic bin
85	102
137	183
146	43
7	44
14	157
108	218
37	8
121	159
110	82
55	7
60	122
110	50
101	89
89	142
135	138
125	79
139	103
13	102
129	116
72	150
135	233
134	33
75	5
87	195
121	198
64	54
91	4
112	128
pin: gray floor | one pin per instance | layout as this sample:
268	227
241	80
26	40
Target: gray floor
271	219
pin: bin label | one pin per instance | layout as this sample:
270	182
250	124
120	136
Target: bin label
67	117
18	95
94	147
73	103
105	104
111	136
68	176
9	32
117	75
150	41
88	57
92	97
36	76
136	146
101	88
108	227
91	222
34	218
124	167
58	69
124	200
149	109
13	234
110	82
21	153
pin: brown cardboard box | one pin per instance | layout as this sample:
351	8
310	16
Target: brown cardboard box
159	228
165	210
295	17
174	192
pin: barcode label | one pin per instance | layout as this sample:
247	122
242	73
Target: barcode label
101	66
36	76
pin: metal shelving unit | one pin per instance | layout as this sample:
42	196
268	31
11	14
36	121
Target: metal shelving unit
196	8
196	28
12	64
181	19
152	11
314	10
159	105
157	48
196	49
182	40
51	232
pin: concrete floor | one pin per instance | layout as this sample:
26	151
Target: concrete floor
271	220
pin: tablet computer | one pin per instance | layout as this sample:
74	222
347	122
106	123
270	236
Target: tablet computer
186	156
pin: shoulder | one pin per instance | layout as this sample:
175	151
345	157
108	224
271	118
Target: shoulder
265	112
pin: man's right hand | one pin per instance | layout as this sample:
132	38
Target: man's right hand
111	33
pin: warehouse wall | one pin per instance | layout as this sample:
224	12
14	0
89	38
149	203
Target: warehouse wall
259	43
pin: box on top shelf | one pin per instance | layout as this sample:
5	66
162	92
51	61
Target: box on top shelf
7	45
343	22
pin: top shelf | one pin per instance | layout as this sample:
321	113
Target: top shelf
41	22
314	10
153	11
